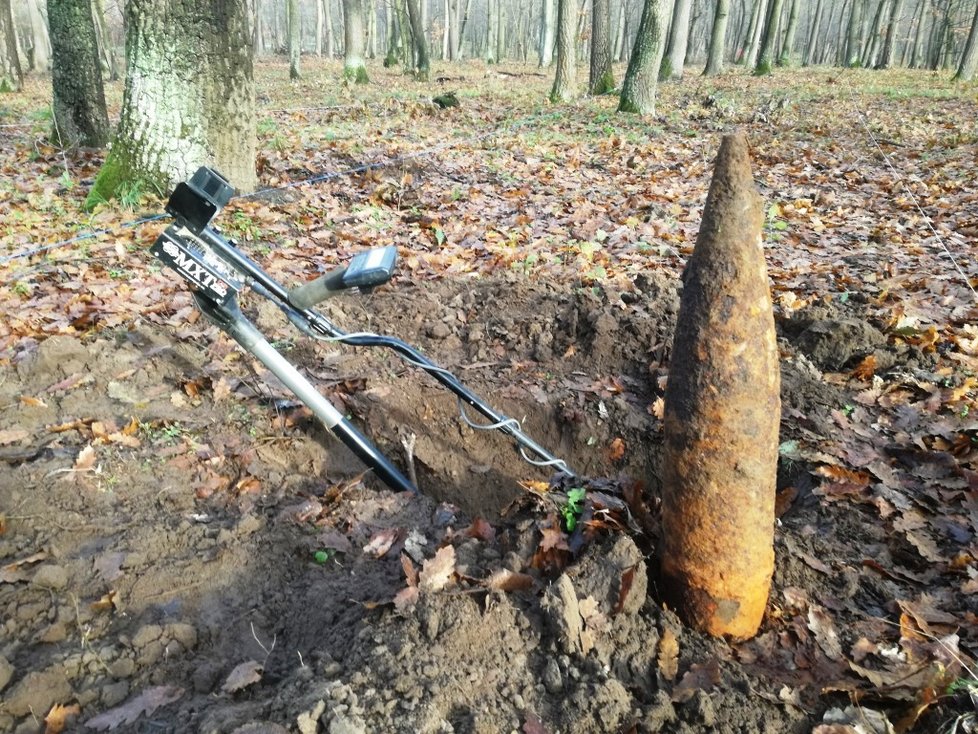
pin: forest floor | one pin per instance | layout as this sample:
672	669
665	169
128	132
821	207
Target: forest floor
183	549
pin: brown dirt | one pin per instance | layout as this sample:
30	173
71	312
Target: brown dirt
172	562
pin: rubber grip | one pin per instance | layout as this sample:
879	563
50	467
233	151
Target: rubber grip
309	294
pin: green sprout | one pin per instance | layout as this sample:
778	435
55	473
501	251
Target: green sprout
322	556
573	509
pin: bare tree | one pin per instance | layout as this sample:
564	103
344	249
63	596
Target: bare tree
641	79
601	79
294	33
969	60
675	54
769	42
886	58
565	80
11	72
423	66
718	39
788	45
80	117
354	68
547	20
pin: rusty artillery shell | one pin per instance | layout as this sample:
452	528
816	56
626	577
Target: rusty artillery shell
722	411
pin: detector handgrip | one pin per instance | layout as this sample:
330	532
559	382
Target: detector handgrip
309	294
367	270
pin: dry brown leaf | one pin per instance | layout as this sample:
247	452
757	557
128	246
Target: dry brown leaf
480	529
145	703
410	571
438	571
703	677
616	451
381	542
106	604
86	459
13	435
506	580
14	572
57	718
406	598
822	626
627	579
32	402
668	655
244	674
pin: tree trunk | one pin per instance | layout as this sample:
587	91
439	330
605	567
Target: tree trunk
294	35
718	39
76	76
601	79
641	78
565	80
500	31
40	55
329	31
788	45
319	28
813	35
854	38
620	30
371	17
107	57
546	51
492	22
423	66
871	47
770	39
969	60
354	69
463	22
189	98
886	57
722	415
675	54
754	33
393	35
11	72
917	56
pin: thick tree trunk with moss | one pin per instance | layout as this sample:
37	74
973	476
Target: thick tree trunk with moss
969	61
674	57
294	31
718	39
423	67
11	72
565	80
601	79
354	69
641	78
189	98
769	42
80	117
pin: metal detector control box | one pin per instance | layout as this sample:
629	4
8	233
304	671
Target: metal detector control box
182	250
371	268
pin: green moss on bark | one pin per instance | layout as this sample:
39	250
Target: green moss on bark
605	84
356	74
118	179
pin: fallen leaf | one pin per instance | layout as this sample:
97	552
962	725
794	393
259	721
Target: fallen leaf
12	435
86	459
410	571
244	674
506	580
703	677
14	572
438	571
145	703
616	451
406	598
624	588
106	604
480	529
381	542
668	655
57	718
822	626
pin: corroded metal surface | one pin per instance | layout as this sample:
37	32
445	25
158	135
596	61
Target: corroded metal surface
722	415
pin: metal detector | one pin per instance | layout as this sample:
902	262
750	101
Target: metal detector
217	270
